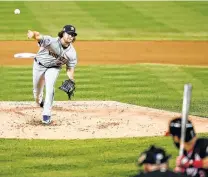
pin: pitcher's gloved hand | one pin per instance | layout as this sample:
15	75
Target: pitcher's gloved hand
68	86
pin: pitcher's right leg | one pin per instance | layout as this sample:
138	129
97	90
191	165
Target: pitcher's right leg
38	82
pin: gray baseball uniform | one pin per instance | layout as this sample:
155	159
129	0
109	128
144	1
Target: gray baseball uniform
47	65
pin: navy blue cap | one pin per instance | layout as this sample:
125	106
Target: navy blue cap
153	155
70	29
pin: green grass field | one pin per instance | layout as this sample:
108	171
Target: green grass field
107	157
83	158
108	20
156	86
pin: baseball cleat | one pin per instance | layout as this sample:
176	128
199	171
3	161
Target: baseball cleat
46	119
42	104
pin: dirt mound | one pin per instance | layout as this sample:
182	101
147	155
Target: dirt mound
86	119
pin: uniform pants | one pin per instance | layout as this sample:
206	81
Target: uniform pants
44	77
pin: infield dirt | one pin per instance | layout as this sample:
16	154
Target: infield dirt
118	52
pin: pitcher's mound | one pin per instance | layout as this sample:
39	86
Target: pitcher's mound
86	119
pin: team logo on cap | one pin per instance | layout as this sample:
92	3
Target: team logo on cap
159	157
72	28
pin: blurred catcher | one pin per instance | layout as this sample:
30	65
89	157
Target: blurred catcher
155	163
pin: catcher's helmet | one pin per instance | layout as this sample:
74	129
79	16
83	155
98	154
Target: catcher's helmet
154	155
175	129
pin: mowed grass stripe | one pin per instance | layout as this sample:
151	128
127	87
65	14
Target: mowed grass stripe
16	26
197	9
190	76
108	20
52	25
165	76
165	16
153	89
77	16
157	86
113	157
121	10
199	101
116	156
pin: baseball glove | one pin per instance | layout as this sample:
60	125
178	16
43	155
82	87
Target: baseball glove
68	86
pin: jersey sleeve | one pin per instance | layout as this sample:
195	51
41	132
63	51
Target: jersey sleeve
72	62
45	41
203	146
206	148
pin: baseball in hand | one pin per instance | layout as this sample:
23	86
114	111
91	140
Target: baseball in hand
30	34
16	11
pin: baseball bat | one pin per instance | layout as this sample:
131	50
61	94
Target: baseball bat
185	112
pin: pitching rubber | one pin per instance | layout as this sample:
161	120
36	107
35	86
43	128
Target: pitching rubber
24	55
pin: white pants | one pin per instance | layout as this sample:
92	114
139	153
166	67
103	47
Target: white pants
44	77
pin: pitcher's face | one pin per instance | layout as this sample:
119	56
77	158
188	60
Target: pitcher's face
68	38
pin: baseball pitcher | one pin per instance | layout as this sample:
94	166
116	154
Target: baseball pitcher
53	53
